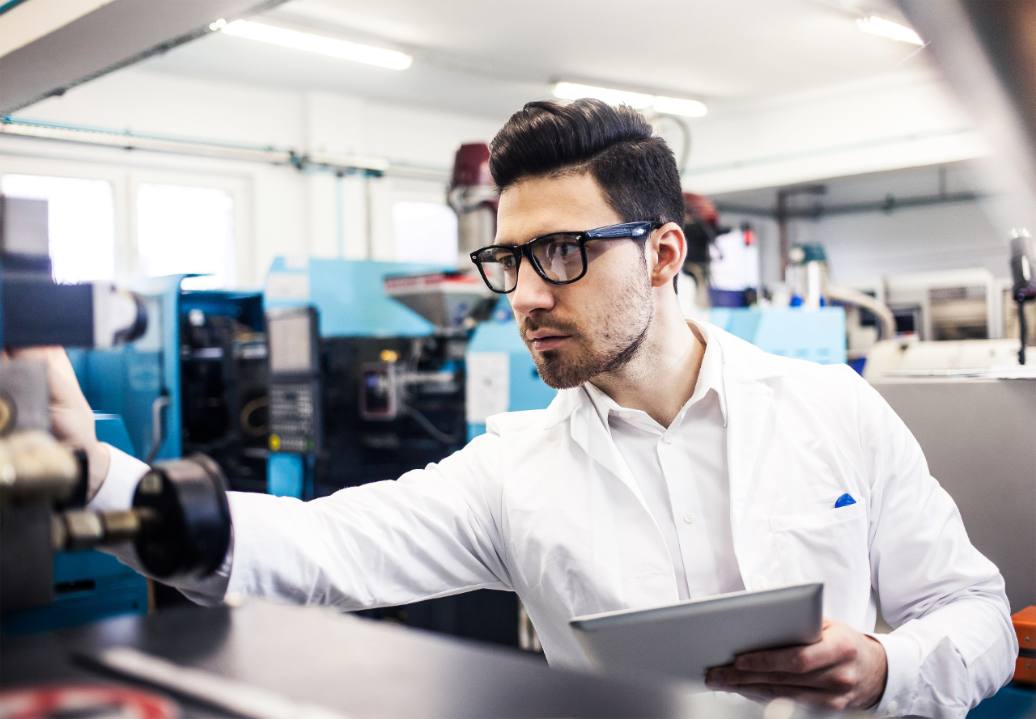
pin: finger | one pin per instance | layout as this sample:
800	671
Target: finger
830	650
837	678
28	353
830	700
842	677
62	383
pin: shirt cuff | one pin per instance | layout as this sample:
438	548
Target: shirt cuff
116	492
904	664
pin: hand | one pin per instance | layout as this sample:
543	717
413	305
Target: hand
845	669
71	418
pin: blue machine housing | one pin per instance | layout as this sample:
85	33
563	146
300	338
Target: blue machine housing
128	381
348	294
143	382
817	335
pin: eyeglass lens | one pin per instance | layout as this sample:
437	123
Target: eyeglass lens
559	257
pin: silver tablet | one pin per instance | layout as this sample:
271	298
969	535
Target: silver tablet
683	640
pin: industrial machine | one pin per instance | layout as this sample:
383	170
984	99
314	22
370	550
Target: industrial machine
179	523
720	283
194	382
223	379
945	305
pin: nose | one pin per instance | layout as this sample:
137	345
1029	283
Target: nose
532	293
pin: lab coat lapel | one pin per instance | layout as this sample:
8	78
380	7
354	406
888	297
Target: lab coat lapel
750	423
592	436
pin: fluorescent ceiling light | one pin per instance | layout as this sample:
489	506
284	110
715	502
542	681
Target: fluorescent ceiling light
312	42
881	27
639	100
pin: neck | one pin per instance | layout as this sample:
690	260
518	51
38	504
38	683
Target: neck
661	377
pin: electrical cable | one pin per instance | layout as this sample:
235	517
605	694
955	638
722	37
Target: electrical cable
426	424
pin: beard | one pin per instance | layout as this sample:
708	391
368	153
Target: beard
620	333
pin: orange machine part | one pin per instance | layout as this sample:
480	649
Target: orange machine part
1025	625
1025	670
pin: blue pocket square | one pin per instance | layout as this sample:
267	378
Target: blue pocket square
844	501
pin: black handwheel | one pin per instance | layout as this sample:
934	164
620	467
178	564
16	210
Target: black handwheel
184	517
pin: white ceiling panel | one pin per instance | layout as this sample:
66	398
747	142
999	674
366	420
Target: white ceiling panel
488	56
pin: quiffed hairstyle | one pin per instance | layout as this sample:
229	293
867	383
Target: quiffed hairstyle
614	144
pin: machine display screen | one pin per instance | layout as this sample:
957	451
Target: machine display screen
291	343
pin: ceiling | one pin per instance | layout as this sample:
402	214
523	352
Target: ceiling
487	57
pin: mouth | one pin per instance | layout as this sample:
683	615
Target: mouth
544	342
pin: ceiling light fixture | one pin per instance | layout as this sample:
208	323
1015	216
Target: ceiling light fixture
312	42
876	25
684	107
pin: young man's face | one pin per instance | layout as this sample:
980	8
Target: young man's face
595	325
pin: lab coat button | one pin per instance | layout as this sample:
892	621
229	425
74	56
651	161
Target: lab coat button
688	519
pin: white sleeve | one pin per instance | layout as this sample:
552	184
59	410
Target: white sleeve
116	493
953	643
431	533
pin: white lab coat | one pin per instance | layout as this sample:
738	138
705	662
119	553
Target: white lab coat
542	505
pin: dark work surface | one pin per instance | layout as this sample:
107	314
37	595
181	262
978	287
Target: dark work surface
357	666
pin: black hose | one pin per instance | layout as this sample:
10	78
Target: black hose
1023	330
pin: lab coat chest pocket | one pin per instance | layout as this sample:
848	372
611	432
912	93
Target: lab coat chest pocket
825	544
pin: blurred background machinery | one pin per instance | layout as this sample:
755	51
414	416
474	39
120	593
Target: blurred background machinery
179	523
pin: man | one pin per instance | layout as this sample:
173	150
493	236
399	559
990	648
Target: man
676	461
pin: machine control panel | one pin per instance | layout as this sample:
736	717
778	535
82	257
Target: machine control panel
295	393
294	416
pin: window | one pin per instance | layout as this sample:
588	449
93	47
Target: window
425	232
81	218
186	230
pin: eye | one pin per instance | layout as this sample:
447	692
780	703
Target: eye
562	249
499	256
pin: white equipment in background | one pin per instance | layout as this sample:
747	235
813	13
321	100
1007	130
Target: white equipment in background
905	357
947	305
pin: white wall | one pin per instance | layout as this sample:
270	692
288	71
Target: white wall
284	211
882	124
864	247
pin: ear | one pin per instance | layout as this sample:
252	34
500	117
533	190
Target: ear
669	249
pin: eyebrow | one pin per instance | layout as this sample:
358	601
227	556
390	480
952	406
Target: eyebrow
508	243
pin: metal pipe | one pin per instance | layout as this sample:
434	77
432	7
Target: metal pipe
891	203
212	149
849	296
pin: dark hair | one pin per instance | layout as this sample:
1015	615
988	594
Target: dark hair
636	170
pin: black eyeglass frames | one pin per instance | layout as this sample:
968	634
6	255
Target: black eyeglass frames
559	258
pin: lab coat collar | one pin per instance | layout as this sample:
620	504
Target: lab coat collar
747	396
737	364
